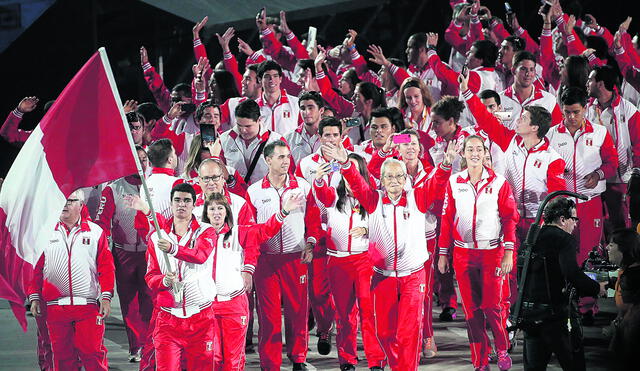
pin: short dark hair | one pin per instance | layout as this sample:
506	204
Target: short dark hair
202	107
252	67
271	147
268	66
369	90
573	95
186	188
329	121
607	75
314	96
411	132
421	39
159	152
523	55
307	64
489	93
132	117
149	111
248	109
448	107
628	244
558	207
182	88
351	76
541	118
517	43
487	51
393	114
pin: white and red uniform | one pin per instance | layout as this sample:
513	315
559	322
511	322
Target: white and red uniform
233	255
181	131
480	78
238	154
426	74
228	113
10	131
589	149
622	121
187	325
73	274
302	144
160	183
280	276
128	249
438	150
511	103
283	116
398	252
474	219
322	303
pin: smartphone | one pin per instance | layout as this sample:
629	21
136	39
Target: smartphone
503	115
352	122
507	8
546	7
592	275
208	133
335	166
465	70
586	20
401	138
311	38
188	108
261	12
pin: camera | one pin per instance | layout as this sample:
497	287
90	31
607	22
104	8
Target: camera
599	269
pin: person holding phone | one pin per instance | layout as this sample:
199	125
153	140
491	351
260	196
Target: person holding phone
479	217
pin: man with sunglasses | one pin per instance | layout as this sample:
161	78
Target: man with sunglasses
74	280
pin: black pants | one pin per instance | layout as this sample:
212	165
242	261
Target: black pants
540	341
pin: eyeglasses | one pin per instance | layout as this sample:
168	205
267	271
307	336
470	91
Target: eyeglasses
399	178
208	179
185	201
71	200
133	127
575	218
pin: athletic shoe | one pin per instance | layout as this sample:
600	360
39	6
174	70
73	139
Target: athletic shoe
429	348
504	361
483	368
493	356
324	343
135	357
347	367
300	367
448	314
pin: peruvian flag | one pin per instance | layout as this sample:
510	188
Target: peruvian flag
82	141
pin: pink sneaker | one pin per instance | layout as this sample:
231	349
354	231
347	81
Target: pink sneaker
504	360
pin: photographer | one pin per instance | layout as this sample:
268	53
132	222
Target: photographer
546	298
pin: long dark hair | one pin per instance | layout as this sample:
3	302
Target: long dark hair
342	188
218	199
628	244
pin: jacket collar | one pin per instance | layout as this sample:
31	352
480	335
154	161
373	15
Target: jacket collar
401	202
163	170
587	127
487	174
263	133
193	225
542	146
283	99
290	182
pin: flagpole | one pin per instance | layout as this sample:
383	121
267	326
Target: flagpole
105	61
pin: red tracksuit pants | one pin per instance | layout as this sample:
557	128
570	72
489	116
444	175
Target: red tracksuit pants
74	332
320	297
282	280
45	356
429	270
193	337
588	232
350	279
130	270
232	318
398	304
481	293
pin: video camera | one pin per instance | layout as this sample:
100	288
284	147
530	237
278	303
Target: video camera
599	269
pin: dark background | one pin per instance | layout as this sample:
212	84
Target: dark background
47	55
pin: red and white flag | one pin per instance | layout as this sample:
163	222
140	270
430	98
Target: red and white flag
81	142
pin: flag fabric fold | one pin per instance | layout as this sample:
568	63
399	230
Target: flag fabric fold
82	141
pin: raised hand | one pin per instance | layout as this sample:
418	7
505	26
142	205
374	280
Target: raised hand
320	58
463	81
624	26
198	73
432	39
294	202
244	48
28	104
571	23
135	202
592	21
450	154
284	27
130	106
322	170
198	27
350	40
144	57
378	55
225	38
617	40
261	19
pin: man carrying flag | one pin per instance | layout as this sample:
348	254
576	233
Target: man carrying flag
54	162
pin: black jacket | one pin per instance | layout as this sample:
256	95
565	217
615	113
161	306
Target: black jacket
559	251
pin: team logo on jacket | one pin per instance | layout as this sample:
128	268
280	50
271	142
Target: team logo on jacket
243	319
537	164
596	223
303	279
286	114
209	346
488	190
86	240
406	214
589	142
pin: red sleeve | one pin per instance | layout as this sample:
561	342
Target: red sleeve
155	84
550	71
299	51
399	74
333	78
375	164
343	107
530	44
358	62
609	156
634	135
255	58
499	30
313	228
161	130
452	36
106	210
251	237
556	115
154	276
200	253
498	133
10	131
448	76
324	194
555	176
433	188
291	87
225	113
445	239
231	65
627	43
246	215
200	52
106	268
509	216
34	289
364	192
604	33
238	187
475	30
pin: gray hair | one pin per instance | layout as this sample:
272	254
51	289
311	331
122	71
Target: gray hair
389	162
79	194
